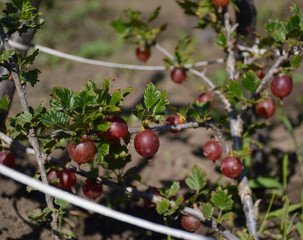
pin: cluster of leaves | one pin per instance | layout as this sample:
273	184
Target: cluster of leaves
154	106
137	31
219	200
26	19
206	12
182	54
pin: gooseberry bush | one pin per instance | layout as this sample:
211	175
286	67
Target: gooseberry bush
89	123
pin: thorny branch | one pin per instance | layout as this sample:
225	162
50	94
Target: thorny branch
32	135
236	127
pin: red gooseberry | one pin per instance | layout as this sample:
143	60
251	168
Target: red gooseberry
205	97
83	151
190	223
267	108
174	119
143	53
178	75
118	129
231	166
281	86
212	150
91	188
146	143
7	159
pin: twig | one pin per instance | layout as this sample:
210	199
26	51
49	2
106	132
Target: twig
236	127
32	136
107	64
92	206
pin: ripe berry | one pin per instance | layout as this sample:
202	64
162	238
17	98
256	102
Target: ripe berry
231	166
146	143
118	129
52	174
143	53
83	151
154	191
212	150
190	223
221	3
91	188
178	75
281	85
267	108
204	97
174	119
7	159
67	179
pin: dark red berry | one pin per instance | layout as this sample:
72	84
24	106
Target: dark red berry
212	150
221	3
174	119
267	108
178	75
260	74
143	53
154	191
83	151
205	97
67	179
118	129
231	166
190	223
281	86
7	159
146	143
52	174
91	188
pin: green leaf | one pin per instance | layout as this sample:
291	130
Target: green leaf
103	126
227	216
250	83
163	206
23	118
160	105
151	96
36	177
154	14
208	210
265	182
195	181
6	54
104	149
4	103
235	87
63	204
173	189
221	199
296	60
53	118
221	40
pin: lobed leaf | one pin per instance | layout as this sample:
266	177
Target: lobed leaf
221	199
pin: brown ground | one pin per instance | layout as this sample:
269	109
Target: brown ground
177	154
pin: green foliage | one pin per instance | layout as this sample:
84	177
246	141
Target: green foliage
196	181
221	199
39	215
135	30
182	54
154	106
207	210
200	111
249	82
4	103
25	20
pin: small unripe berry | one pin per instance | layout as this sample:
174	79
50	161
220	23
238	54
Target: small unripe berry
91	188
118	129
7	159
174	119
221	3
143	53
267	108
212	150
178	75
281	86
146	143
190	223
204	97
83	151
231	166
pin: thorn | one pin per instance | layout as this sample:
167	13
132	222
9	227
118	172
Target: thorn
150	161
